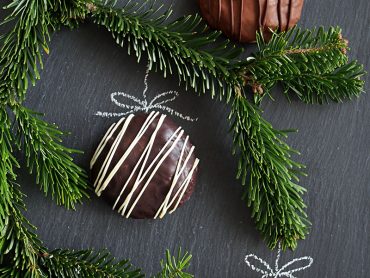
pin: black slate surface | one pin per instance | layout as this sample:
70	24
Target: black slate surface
85	67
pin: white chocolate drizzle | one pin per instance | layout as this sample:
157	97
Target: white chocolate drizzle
145	170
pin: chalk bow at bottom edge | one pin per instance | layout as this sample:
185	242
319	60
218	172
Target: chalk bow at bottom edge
284	271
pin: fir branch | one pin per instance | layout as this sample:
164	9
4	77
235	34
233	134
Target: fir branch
19	244
312	64
274	197
7	164
180	47
21	252
344	83
86	263
175	266
56	173
21	48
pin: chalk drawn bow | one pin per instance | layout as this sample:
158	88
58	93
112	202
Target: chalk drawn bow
284	271
143	105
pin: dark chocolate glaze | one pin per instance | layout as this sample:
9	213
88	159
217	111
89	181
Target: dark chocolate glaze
240	19
155	193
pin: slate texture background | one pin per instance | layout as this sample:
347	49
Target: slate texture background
85	67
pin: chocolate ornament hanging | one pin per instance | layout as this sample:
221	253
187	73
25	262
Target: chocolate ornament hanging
240	19
144	166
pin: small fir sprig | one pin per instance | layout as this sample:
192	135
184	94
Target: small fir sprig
175	266
313	65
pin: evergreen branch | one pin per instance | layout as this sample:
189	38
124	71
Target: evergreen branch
7	165
21	253
56	173
175	266
312	64
21	48
19	244
275	198
86	263
181	47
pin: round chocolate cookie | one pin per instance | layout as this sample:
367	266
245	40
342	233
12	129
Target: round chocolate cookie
144	166
240	19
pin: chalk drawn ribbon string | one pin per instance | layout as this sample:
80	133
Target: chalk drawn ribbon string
142	105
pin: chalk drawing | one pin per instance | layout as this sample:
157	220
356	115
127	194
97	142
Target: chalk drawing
285	271
159	102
